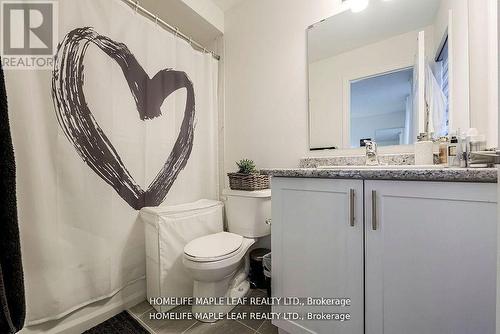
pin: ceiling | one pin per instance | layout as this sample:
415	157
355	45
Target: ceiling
225	5
180	15
381	20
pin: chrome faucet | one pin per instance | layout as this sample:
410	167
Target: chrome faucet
371	153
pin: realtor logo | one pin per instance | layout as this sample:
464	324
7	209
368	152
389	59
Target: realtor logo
28	34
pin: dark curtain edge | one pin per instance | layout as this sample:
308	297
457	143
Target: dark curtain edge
12	294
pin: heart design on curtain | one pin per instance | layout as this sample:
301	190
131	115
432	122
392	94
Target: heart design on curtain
89	140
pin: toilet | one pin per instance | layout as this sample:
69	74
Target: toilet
219	262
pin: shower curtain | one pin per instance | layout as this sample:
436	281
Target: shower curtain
126	118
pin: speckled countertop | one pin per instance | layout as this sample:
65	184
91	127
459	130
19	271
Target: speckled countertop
484	175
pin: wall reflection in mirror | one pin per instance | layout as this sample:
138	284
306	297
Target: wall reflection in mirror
384	73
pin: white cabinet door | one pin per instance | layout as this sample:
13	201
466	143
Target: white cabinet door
430	258
317	251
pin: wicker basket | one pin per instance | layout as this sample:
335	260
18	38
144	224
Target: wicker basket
240	181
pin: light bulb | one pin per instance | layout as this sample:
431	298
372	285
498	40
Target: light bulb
359	5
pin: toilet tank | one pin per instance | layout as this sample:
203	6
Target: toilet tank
247	212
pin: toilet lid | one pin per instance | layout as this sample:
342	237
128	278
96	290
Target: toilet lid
214	245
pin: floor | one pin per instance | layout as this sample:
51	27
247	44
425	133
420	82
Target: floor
142	310
122	323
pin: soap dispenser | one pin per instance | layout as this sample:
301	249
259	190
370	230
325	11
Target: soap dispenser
423	150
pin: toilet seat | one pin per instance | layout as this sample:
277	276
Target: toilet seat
213	247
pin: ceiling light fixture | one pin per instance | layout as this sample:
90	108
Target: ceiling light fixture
359	5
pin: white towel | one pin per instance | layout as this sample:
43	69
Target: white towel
437	104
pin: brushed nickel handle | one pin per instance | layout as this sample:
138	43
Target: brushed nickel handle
351	207
374	210
268	221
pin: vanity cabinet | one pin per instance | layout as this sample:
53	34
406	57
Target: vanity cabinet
317	244
430	257
420	258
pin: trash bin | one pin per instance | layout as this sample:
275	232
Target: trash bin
266	264
256	275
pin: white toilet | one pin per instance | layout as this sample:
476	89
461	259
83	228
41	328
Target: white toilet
219	262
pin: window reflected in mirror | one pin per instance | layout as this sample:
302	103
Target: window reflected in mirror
441	73
382	109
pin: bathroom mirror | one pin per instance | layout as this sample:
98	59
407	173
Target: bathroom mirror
388	72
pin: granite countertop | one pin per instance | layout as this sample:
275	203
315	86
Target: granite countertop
483	175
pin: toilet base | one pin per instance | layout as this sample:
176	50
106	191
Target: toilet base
234	286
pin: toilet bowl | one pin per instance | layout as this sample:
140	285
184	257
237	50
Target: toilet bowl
219	262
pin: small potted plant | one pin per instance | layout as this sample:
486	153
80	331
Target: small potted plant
247	177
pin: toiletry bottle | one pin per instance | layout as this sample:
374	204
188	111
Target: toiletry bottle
461	150
452	152
423	150
443	150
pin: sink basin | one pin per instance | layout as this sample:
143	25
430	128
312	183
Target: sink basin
398	167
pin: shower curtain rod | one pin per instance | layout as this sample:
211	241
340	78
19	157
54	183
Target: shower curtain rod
175	30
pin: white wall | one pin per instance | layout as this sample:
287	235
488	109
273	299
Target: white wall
365	127
483	59
266	79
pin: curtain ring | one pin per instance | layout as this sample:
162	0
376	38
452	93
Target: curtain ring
176	31
190	41
156	19
136	5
